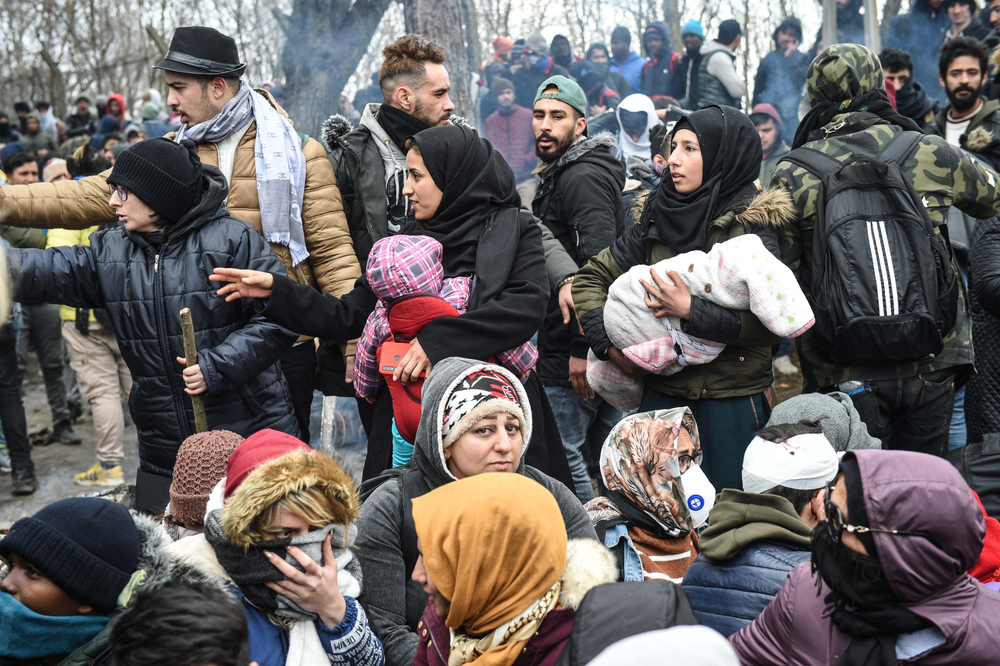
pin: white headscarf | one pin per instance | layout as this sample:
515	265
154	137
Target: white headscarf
626	145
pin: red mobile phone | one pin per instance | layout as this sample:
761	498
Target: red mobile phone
390	354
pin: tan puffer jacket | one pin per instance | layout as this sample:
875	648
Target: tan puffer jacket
332	266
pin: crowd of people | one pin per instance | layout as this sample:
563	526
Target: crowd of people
561	334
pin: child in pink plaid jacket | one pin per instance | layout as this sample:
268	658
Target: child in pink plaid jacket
404	265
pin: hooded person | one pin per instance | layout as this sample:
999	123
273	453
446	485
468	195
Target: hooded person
599	56
174	223
8	134
562	52
503	585
599	95
282	542
888	580
636	117
756	535
657	73
73	567
834	412
709	197
467	407
465	199
540	67
649	513
772	133
921	33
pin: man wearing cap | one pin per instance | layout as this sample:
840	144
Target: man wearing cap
174	229
82	121
686	69
624	60
755	537
509	130
718	82
280	182
580	201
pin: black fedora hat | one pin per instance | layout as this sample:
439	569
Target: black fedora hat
203	51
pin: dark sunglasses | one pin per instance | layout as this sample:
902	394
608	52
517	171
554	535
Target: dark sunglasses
835	522
685	461
120	189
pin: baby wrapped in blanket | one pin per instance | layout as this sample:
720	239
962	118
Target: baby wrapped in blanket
740	274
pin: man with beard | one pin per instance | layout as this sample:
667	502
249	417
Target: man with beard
233	126
963	65
369	161
509	130
911	98
580	201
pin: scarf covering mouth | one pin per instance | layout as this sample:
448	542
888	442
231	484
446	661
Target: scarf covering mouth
250	569
635	105
489	547
25	634
278	162
640	465
683	219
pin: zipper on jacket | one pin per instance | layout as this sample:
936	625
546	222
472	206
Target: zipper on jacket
161	318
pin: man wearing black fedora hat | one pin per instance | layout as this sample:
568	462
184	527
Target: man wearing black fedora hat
280	182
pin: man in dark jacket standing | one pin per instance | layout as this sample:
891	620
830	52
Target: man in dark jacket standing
580	201
921	34
509	130
781	75
718	81
175	230
755	537
82	122
911	97
657	74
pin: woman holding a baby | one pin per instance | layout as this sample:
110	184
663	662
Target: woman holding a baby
708	197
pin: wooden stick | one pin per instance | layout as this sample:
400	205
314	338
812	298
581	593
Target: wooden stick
191	356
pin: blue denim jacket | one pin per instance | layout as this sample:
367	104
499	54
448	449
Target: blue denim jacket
632	568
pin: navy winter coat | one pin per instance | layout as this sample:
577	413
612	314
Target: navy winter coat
727	596
143	289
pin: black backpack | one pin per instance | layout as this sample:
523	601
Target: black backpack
883	286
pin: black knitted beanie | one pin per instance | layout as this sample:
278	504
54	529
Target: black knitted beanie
87	546
164	175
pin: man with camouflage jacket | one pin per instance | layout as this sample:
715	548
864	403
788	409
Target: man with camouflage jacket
906	406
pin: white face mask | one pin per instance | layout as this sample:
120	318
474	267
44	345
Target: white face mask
699	493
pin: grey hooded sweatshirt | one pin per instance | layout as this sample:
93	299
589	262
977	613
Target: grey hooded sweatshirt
394	602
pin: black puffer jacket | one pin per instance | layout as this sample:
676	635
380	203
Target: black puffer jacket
982	399
580	202
144	289
657	77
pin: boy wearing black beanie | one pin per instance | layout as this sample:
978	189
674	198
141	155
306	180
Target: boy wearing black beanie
174	231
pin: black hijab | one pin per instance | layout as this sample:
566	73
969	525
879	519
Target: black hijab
475	183
728	176
874	102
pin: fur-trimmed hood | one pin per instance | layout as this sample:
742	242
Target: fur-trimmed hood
978	139
772	207
588	564
274	479
581	148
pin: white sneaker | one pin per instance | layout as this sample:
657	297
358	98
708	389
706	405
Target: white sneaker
5	467
783	366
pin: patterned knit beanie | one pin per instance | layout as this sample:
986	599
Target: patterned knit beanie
481	393
201	462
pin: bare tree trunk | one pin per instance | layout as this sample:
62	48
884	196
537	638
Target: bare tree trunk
889	11
470	18
58	87
441	21
325	41
672	17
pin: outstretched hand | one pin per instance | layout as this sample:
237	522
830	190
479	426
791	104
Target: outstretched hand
242	283
315	589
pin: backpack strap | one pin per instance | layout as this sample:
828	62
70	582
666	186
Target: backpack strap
897	150
818	163
411	484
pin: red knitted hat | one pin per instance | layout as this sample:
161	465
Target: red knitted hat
255	450
201	462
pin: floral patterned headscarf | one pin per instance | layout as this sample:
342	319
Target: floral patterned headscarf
640	460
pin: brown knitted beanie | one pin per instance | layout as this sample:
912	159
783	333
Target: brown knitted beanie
201	463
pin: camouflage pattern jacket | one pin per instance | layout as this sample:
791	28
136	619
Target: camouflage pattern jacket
943	175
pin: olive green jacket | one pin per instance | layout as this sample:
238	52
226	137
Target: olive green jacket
744	366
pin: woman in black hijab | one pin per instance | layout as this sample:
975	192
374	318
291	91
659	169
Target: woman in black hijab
463	194
708	195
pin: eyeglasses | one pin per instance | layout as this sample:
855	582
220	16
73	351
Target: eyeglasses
686	460
835	522
120	189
